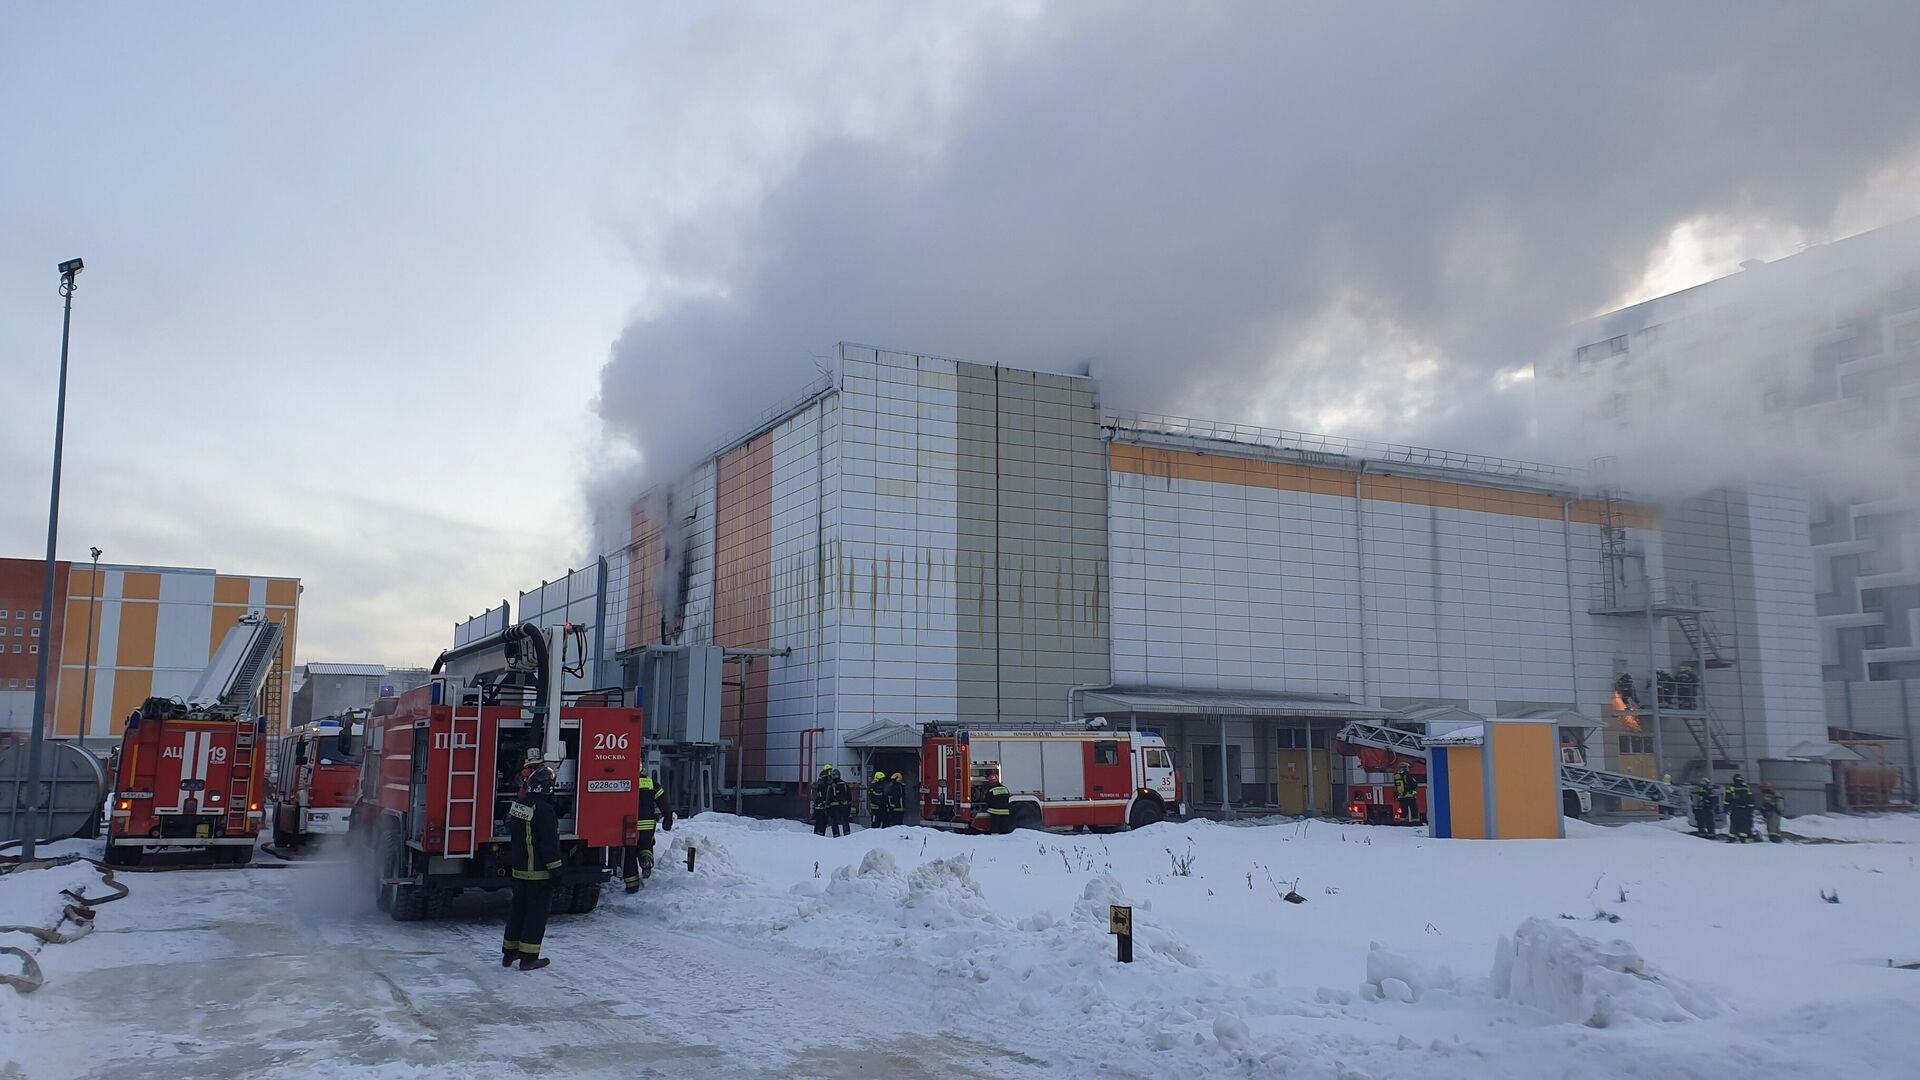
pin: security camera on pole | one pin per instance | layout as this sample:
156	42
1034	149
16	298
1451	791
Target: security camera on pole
68	271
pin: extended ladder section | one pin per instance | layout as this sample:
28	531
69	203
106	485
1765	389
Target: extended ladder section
1572	777
1581	778
461	838
1382	737
239	667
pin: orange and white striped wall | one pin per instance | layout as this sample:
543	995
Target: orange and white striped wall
154	629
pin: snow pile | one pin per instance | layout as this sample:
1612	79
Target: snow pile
1581	981
711	858
32	897
1395	976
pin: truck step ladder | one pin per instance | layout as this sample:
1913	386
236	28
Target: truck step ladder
240	778
1382	737
463	781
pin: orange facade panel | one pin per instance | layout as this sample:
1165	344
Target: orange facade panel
1526	767
1466	787
743	558
1410	490
137	623
281	592
233	590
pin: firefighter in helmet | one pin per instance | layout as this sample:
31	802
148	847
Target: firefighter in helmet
877	801
1772	805
655	812
1406	791
533	837
897	800
999	806
832	803
1739	810
1706	808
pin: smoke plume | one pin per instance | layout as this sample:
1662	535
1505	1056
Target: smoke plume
1307	215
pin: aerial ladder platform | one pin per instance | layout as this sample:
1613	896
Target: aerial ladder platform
1572	777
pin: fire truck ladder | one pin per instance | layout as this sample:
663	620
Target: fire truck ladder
240	778
1572	777
465	754
1581	778
1382	737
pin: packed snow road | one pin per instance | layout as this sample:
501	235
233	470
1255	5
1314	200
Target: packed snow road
907	952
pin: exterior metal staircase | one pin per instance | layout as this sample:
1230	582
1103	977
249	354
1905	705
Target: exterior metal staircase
1704	640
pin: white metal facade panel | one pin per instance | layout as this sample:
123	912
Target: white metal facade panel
1223	587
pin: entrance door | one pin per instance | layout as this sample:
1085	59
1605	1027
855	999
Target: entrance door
1293	770
1208	765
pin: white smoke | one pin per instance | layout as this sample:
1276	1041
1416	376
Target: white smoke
1308	216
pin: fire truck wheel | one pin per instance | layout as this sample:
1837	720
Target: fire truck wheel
438	902
560	900
585	899
234	854
1027	816
1145	812
409	903
123	856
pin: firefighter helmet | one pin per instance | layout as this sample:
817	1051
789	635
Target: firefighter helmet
880	776
540	781
898	776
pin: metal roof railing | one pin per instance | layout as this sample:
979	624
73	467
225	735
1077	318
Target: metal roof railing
1310	444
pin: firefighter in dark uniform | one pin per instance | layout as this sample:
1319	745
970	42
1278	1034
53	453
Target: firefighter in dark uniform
533	839
877	801
832	803
1706	809
656	812
999	806
1772	805
1406	791
1739	810
897	800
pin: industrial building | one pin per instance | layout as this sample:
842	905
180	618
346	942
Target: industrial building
919	539
1820	351
124	633
321	690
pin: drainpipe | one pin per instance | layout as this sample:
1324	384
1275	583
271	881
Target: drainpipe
1089	687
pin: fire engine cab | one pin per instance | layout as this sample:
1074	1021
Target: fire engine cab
188	773
1059	779
439	774
315	777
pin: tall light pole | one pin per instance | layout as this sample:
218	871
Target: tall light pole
68	271
86	680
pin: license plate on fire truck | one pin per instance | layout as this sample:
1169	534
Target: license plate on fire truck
609	785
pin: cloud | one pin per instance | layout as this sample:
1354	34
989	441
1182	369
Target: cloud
1340	216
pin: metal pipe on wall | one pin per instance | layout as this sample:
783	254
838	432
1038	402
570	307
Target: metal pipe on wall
1360	579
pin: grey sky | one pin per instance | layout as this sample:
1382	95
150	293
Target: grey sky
354	270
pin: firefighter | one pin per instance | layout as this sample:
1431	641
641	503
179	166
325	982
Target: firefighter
1739	810
1406	789
877	801
1629	694
897	799
1706	809
1772	805
832	803
533	833
655	812
999	806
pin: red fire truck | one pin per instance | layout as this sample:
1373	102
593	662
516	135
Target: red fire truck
189	771
439	773
1059	779
316	775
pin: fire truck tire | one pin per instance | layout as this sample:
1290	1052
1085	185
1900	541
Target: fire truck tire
585	899
409	903
118	855
438	902
1027	816
1145	812
560	900
234	854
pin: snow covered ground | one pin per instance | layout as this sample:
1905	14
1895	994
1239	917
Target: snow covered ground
910	952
